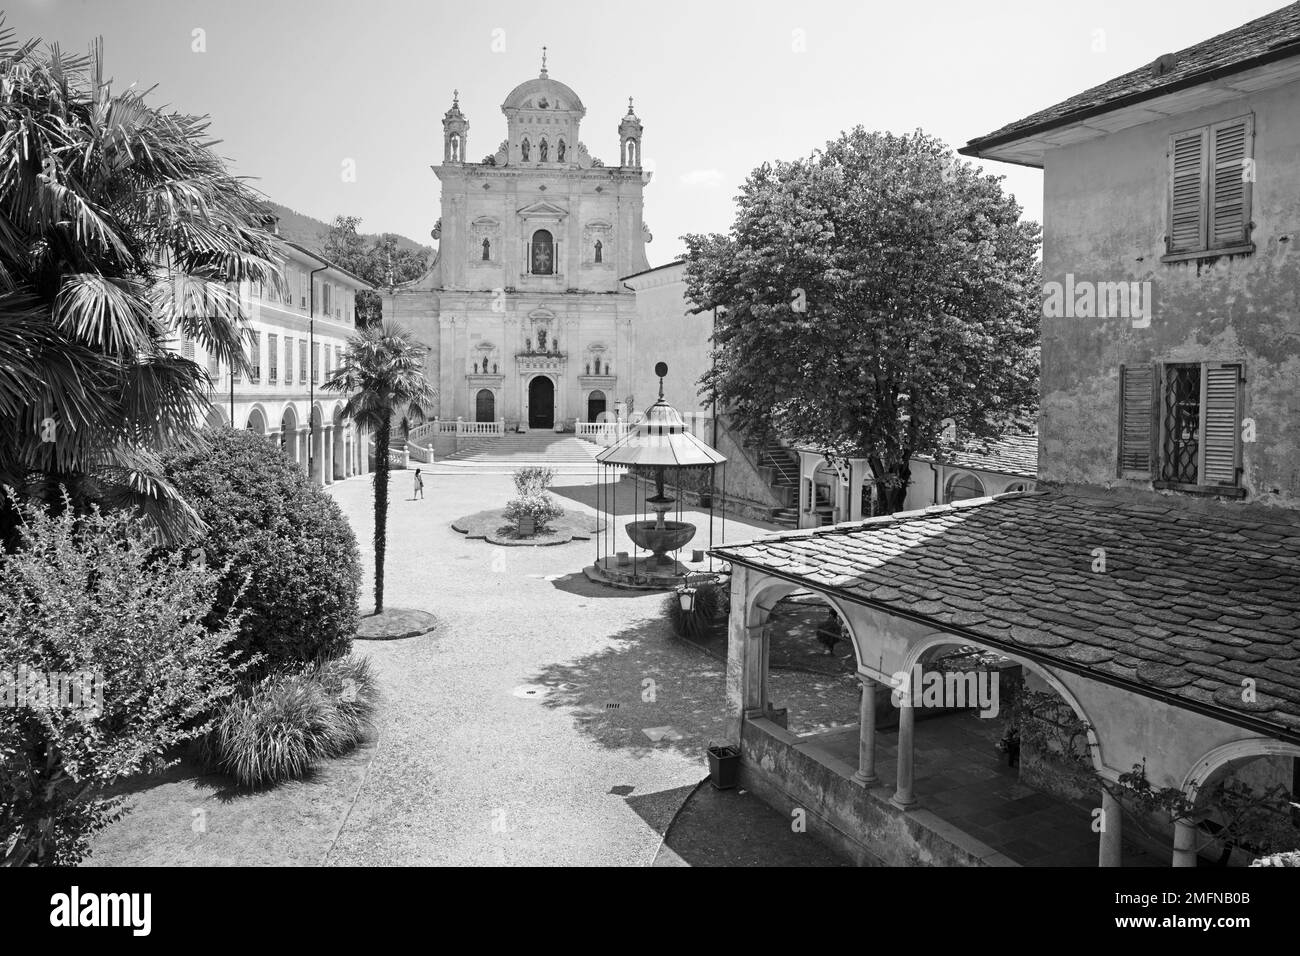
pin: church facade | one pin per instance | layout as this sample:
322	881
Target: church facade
524	311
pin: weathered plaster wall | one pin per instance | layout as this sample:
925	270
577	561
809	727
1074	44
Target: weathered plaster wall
1104	219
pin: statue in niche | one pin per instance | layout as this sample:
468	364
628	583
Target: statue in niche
541	340
528	345
543	149
559	152
494	368
588	372
476	368
525	149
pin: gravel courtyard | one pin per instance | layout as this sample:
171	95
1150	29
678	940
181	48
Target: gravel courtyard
548	721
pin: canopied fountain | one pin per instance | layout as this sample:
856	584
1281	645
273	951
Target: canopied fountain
660	448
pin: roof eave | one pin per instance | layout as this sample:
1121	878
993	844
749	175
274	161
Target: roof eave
982	147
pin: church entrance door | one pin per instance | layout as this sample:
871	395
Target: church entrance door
541	403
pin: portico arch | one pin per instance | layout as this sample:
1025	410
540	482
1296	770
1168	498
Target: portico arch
920	648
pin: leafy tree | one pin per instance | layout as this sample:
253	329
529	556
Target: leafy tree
866	294
383	373
393	264
384	263
121	227
89	608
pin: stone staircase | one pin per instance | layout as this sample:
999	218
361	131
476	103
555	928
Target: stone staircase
563	452
780	467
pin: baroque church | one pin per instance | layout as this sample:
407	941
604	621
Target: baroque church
525	311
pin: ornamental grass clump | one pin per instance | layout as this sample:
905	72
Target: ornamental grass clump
282	726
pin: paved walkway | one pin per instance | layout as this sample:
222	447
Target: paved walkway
549	721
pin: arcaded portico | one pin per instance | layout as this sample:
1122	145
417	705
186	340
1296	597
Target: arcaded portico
1143	657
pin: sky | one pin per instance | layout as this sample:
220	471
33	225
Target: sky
303	92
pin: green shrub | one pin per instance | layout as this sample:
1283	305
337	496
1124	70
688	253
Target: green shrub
540	505
290	539
282	726
694	624
533	480
1286	858
88	595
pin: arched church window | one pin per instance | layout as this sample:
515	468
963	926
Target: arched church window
599	251
525	148
543	253
543	149
487	250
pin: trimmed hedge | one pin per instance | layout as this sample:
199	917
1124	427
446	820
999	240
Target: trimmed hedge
267	522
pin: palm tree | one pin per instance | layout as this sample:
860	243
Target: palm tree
119	228
383	375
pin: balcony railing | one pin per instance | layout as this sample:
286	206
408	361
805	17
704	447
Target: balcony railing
459	427
603	433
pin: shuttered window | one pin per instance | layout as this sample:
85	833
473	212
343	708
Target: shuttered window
255	357
1137	420
1180	424
302	361
288	360
1210	174
1221	414
272	358
1229	223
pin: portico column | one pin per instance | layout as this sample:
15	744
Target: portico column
903	796
866	775
1184	844
328	442
304	448
1112	831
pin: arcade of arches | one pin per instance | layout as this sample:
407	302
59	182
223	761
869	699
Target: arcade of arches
329	448
918	783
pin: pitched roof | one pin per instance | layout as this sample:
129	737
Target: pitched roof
1009	455
1191	603
1273	36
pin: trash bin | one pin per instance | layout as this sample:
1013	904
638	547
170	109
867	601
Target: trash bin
724	767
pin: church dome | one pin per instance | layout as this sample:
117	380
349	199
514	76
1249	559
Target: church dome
543	93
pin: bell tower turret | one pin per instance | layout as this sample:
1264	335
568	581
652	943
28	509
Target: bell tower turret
455	133
629	139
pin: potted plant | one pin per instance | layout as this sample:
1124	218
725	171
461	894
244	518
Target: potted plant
724	766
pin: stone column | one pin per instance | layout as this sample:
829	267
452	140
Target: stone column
327	441
1184	844
903	797
304	441
866	775
1112	830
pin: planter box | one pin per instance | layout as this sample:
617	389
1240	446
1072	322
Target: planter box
724	767
526	526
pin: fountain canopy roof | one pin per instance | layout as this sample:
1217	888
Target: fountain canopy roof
661	438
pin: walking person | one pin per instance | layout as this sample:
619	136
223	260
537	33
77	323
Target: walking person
418	491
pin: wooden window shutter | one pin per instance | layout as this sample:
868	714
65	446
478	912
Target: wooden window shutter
1221	423
1188	159
1232	146
1137	420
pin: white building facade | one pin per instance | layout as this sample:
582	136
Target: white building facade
298	338
526	318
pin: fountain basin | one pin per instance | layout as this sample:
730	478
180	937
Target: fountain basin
660	539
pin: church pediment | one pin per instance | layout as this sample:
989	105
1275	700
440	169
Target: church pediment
543	210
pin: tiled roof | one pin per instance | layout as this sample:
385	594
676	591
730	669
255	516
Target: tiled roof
1261	39
1193	600
1010	455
